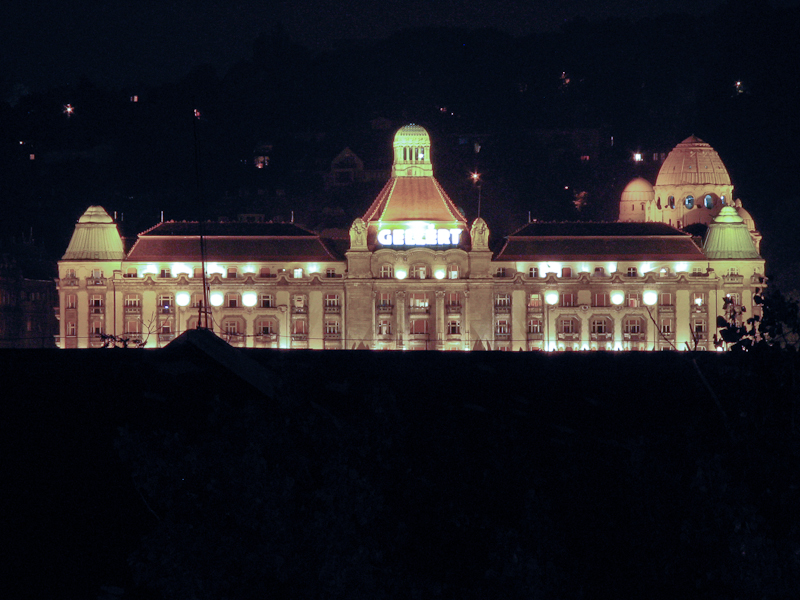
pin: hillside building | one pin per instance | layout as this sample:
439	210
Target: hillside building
417	275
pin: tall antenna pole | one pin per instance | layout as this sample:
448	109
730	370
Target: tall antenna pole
202	320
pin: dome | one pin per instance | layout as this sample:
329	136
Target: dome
412	134
95	238
693	162
638	190
728	237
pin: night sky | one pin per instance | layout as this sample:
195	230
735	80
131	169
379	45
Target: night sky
48	42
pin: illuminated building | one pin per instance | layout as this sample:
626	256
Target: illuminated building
417	275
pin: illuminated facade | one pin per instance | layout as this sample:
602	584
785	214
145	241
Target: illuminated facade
416	275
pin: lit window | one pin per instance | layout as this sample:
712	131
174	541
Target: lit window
535	300
70	328
298	273
452	271
387	271
165	303
633	300
418	300
419	272
698	298
384	327
267	301
97	274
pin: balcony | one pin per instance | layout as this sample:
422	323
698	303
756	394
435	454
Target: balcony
453	309
299	337
601	337
333	310
166	337
733	279
385	337
96	281
666	309
165	310
96	310
299	310
535	309
702	309
635	337
568	337
385	308
333	336
69	282
417	336
453	337
266	338
419	309
502	335
535	336
133	310
502	309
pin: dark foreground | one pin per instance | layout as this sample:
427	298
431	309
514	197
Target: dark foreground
147	474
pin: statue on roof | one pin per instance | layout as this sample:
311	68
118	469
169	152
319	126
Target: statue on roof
358	235
479	234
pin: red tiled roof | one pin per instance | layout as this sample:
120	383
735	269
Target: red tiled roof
273	248
413	198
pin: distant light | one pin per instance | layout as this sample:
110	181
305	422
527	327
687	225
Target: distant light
400	274
637	157
617	298
197	114
475	177
698	301
69	110
134	98
183	298
650	297
551	297
216	298
249	299
439	274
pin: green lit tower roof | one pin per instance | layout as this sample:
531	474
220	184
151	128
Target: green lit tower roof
95	238
728	237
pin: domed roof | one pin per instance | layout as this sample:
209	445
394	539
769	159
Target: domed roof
729	237
638	190
95	238
693	162
412	134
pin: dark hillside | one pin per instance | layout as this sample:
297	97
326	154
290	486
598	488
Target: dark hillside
452	475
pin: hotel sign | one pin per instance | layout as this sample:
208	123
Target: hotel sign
419	234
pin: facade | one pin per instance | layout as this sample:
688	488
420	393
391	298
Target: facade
416	275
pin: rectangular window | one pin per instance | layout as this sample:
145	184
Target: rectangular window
632	326
599	272
332	326
69	274
264	272
502	327
535	301
697	271
419	272
198	272
97	327
299	326
384	327
633	300
600	299
567	326
166	327
632	272
331	299
419	326
165	273
387	271
165	303
666	326
132	326
385	299
500	272
97	274
452	271
502	300
566	272
418	300
454	327
568	299
298	273
533	272
665	299
232	300
70	328
698	298
72	301
267	301
699	326
599	326
534	326
197	299
735	298
266	327
330	272
454	299
733	271
232	273
96	301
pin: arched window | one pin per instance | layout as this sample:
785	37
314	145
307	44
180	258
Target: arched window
233	300
387	271
671	201
688	202
708	201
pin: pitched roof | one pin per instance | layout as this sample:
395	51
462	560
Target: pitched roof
729	237
413	198
600	242
230	242
95	238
